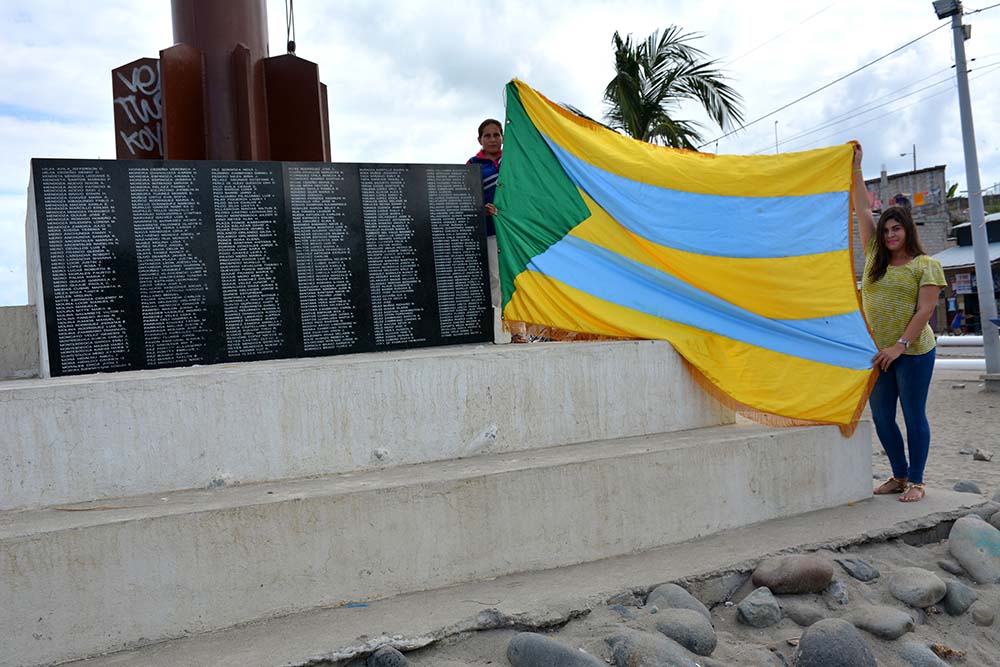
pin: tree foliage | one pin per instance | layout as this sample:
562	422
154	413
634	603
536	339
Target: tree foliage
655	76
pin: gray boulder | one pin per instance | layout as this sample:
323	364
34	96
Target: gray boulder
689	629
622	611
672	596
836	595
920	655
833	642
966	486
917	587
950	566
641	649
527	649
387	656
759	609
976	546
994	520
801	609
982	613
860	569
881	621
793	574
958	598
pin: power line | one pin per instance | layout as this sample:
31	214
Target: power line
781	34
841	132
824	87
983	9
871	106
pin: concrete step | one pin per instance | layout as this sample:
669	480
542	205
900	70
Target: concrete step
538	599
92	578
82	438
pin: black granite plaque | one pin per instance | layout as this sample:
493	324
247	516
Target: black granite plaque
150	264
331	265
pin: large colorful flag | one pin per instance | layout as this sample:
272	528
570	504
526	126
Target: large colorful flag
743	263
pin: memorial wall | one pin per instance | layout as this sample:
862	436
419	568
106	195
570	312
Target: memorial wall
153	264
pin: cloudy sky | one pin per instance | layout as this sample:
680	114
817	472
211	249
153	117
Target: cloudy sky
410	80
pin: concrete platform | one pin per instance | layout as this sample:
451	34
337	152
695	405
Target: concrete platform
18	342
106	576
81	438
536	599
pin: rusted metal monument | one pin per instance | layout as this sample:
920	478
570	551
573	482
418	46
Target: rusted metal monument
217	95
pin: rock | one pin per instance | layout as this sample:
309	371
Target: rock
966	451
881	621
995	520
759	609
966	486
626	599
950	566
958	598
527	649
836	594
860	569
688	628
833	642
986	510
674	597
800	609
632	648
917	587
996	497
387	656
976	546
982	455
982	613
919	655
793	574
622	611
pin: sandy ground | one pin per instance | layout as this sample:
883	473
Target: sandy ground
961	417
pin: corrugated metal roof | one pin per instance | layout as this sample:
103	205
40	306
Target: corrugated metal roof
962	256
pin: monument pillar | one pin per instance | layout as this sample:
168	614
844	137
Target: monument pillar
232	37
216	95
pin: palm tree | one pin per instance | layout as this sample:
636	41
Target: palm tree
654	76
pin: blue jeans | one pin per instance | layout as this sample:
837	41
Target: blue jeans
906	382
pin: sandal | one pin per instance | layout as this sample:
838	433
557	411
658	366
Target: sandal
913	493
891	485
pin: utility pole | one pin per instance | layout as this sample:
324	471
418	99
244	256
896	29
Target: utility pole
977	214
914	157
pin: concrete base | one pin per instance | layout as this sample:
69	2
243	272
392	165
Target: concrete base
991	382
143	569
542	599
18	342
81	438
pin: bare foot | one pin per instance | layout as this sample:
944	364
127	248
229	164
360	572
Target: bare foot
912	494
891	485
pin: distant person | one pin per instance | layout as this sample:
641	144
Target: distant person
488	159
957	322
899	293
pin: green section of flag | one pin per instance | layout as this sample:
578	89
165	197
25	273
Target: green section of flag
536	201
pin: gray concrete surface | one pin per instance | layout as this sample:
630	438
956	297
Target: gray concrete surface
97	577
80	438
18	342
535	599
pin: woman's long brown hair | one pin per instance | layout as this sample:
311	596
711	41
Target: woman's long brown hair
882	252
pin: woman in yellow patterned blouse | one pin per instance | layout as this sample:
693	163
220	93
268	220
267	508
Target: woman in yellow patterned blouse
899	292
